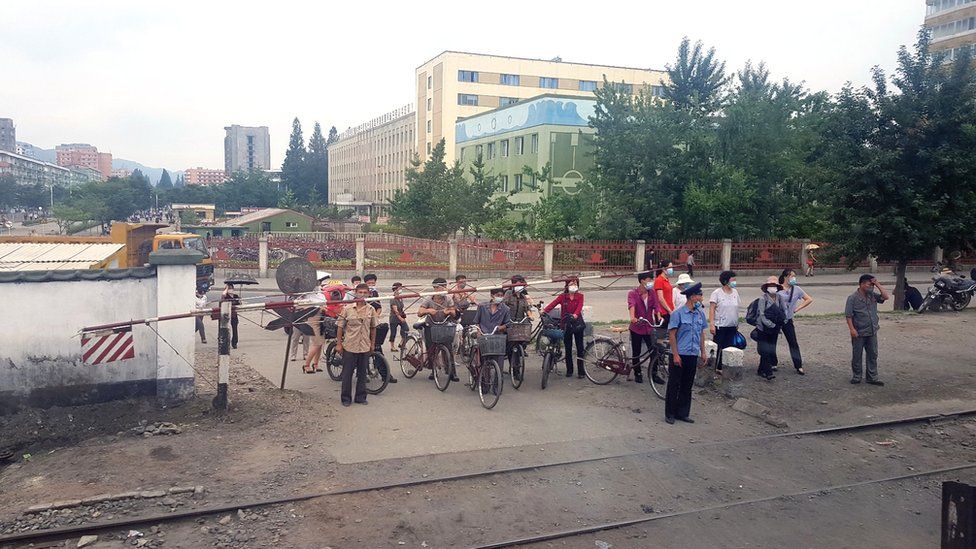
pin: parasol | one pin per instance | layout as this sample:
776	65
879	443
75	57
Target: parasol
813	246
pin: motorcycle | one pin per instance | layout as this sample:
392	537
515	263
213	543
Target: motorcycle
948	290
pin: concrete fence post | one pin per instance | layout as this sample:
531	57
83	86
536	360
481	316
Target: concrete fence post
938	254
176	277
360	255
726	259
263	256
452	258
639	254
804	242
733	385
547	253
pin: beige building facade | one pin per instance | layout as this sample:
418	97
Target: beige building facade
953	24
456	85
204	176
368	163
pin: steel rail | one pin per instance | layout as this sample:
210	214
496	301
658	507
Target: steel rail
63	532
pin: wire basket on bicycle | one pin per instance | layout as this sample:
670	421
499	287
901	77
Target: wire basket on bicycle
519	332
492	344
442	334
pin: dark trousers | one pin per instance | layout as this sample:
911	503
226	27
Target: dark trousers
233	328
691	270
200	328
570	333
354	362
681	379
724	337
637	342
767	352
789	332
865	345
395	325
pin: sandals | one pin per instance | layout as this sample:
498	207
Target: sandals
799	371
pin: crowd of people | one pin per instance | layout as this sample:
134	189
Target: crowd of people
660	303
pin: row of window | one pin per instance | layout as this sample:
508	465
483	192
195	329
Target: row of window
939	6
954	27
470	99
504	148
519	183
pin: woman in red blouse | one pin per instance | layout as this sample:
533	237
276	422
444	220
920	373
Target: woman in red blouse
570	303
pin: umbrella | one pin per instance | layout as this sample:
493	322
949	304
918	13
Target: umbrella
813	246
239	278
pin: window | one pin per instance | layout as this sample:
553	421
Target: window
510	79
428	148
519	145
429	103
503	101
503	183
518	182
621	86
430	82
587	85
504	147
467	76
657	91
534	146
291	225
467	99
477	151
491	151
546	82
265	226
461	156
429	126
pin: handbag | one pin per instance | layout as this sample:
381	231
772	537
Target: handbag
755	335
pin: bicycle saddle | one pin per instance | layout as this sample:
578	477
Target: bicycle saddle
420	326
618	329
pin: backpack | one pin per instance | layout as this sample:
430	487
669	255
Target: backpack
752	313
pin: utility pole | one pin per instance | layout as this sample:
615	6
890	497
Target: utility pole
223	356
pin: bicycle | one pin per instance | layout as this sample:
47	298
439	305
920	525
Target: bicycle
519	335
483	370
414	355
375	381
606	358
549	344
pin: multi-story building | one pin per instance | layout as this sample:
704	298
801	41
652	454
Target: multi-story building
204	176
369	163
121	173
953	25
83	155
8	135
246	149
549	130
29	171
26	149
456	85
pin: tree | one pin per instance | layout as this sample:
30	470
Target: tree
293	168
165	181
901	159
317	163
288	200
696	79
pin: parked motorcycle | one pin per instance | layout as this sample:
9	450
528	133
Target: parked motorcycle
948	290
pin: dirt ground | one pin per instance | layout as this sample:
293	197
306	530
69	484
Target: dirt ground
276	443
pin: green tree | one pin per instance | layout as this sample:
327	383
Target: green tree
293	173
696	79
165	181
288	201
317	164
901	160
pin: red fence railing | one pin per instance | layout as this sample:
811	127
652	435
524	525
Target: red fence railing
493	255
594	255
393	251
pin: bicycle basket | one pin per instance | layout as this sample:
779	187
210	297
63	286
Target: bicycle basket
330	329
492	345
467	317
442	334
519	332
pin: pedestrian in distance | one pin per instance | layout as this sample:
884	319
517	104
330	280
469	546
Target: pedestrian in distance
230	295
794	301
861	312
356	280
770	318
678	298
201	303
398	318
663	289
570	304
723	314
686	329
642	305
811	261
690	264
356	341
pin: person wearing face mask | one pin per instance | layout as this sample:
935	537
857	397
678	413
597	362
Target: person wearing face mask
462	300
686	335
517	299
723	314
571	321
795	300
678	298
663	289
493	316
770	321
642	304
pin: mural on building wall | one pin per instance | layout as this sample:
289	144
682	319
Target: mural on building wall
538	112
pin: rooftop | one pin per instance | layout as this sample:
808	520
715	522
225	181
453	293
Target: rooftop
555	60
252	217
53	256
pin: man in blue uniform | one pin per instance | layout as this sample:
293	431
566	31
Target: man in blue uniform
685	330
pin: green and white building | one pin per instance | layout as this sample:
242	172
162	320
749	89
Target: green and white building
548	129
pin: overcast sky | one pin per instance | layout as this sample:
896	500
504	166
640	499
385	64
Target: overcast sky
156	82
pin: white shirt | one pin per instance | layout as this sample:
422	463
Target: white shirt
726	308
678	298
202	302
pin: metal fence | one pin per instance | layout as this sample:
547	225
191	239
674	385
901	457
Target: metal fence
326	250
594	255
707	253
492	255
393	251
239	252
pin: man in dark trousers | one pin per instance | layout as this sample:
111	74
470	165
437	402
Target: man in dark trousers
862	321
356	341
685	331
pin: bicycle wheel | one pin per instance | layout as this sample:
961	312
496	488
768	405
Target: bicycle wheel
333	362
660	359
490	385
474	358
602	357
517	366
410	356
547	361
375	380
440	361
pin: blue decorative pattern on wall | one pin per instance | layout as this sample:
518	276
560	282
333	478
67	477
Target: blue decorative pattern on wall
534	112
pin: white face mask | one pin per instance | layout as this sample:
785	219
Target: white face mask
573	289
649	286
771	290
519	288
498	299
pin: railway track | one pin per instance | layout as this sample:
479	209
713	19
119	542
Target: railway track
761	440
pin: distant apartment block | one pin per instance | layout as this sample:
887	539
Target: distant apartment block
121	173
8	135
369	162
204	176
953	25
29	171
456	85
83	155
246	149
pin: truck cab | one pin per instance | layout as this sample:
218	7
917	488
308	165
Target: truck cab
141	240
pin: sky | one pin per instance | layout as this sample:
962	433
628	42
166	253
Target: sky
156	82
